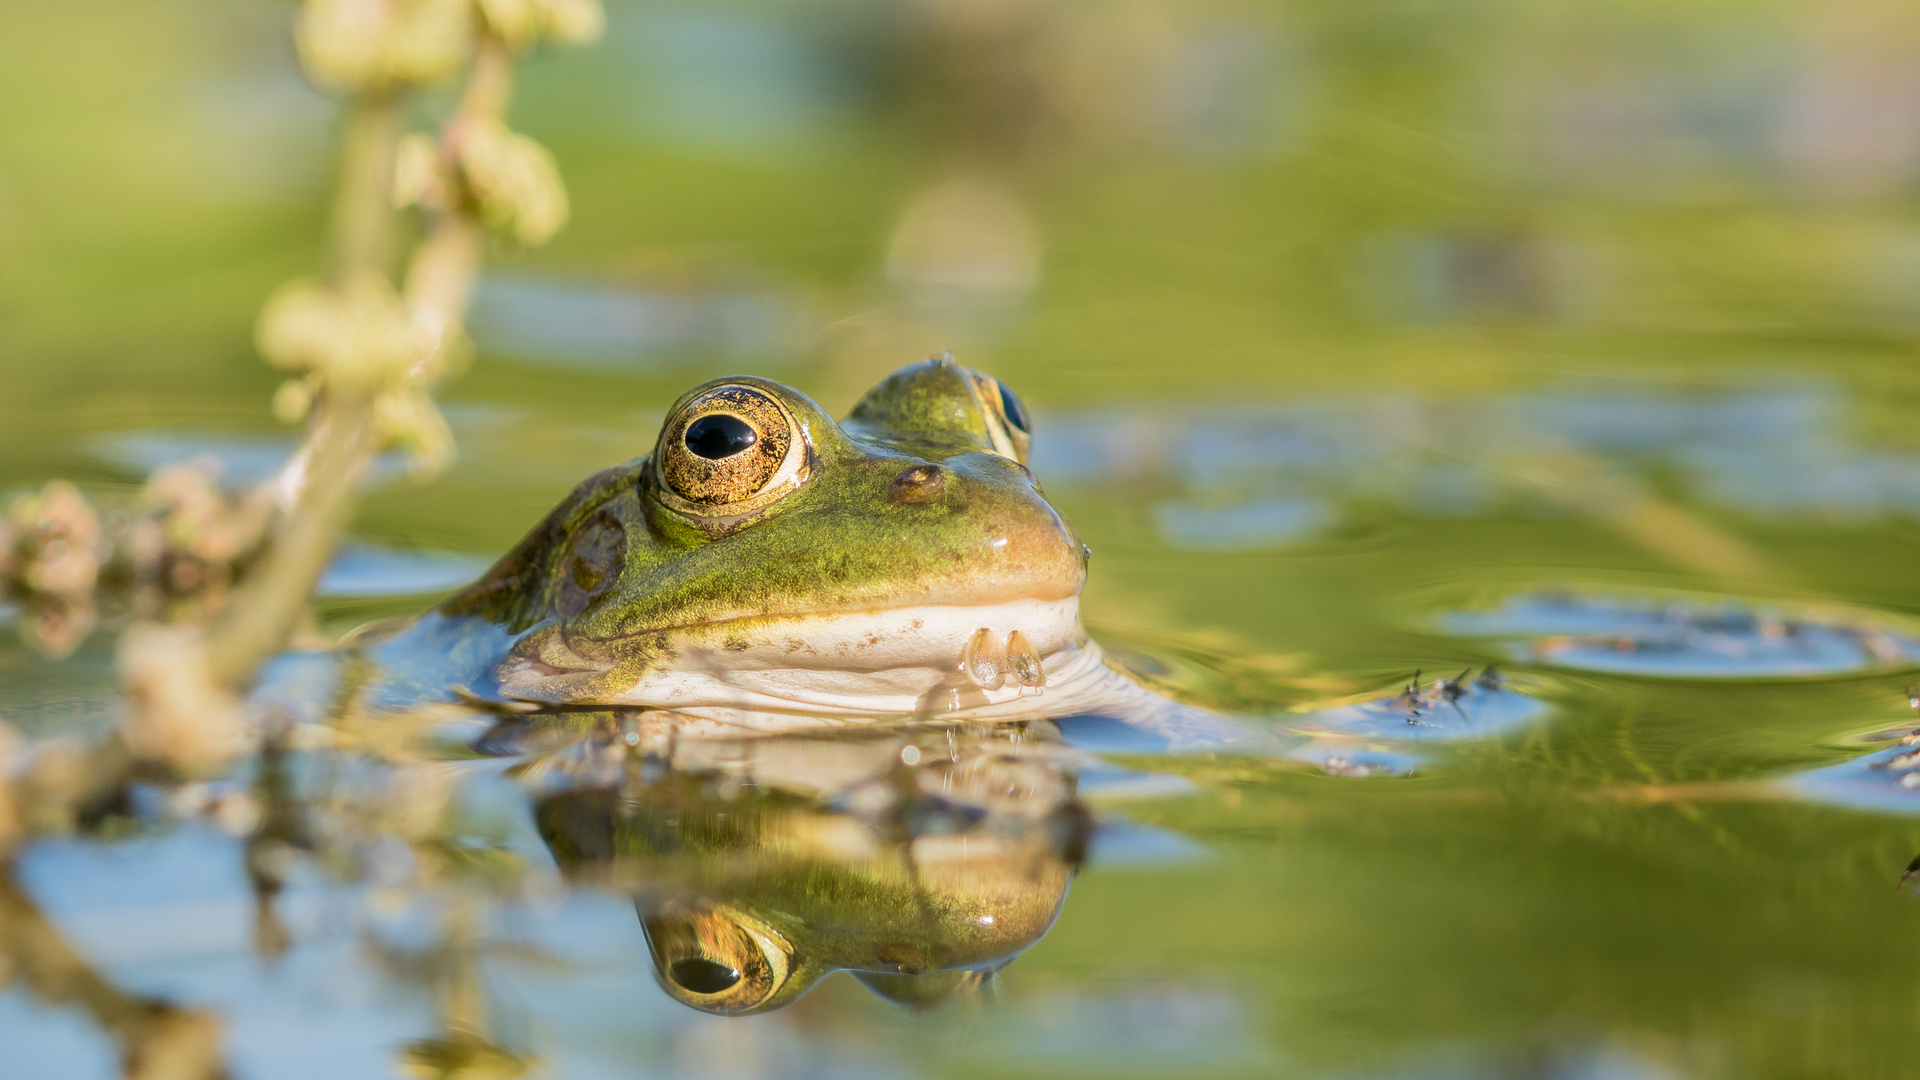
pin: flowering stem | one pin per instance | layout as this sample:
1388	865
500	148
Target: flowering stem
490	84
343	432
441	276
341	443
341	440
363	206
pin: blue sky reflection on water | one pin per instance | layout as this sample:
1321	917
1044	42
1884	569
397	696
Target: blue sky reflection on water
1257	476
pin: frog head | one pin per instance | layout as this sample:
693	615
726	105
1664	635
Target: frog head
764	557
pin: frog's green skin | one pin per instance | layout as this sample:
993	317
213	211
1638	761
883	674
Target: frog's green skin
894	577
833	856
902	563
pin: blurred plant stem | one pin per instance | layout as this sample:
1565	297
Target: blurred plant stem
363	357
341	443
316	486
363	205
441	276
356	405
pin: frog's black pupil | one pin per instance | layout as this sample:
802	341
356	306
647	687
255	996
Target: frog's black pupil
703	976
719	436
1016	413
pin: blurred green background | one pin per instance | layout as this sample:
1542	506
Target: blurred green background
1108	202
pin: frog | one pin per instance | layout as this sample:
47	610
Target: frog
765	565
759	866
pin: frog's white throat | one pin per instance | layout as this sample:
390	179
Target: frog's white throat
963	661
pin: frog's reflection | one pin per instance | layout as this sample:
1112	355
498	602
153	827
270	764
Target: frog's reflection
921	859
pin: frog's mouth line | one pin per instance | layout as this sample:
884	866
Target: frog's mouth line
930	659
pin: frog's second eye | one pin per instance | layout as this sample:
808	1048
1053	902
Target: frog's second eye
730	451
1015	412
1008	426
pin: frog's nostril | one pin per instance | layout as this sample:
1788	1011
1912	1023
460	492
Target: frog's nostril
918	484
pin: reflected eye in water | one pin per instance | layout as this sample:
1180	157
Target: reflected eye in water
718	960
729	451
702	976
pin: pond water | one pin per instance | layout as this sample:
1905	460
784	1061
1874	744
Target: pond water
1502	421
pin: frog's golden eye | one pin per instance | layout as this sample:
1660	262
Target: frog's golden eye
718	961
1007	423
730	451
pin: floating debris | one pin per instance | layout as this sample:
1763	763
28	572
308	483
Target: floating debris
1686	638
1910	881
1462	707
70	563
1886	780
1343	737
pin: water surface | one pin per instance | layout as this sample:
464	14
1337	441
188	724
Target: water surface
1362	341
